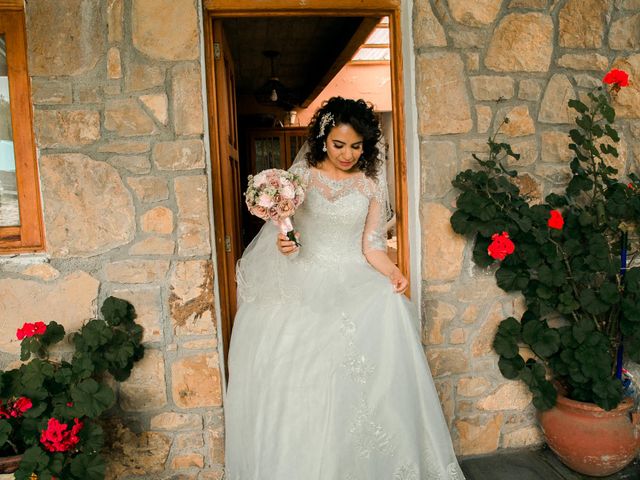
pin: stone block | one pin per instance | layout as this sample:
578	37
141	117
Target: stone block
158	104
173	421
66	128
522	42
43	271
215	440
188	441
486	87
514	395
472	386
70	301
204	344
437	315
87	94
131	163
427	30
483	342
443	104
530	89
149	189
479	435
186	97
442	248
165	29
484	115
439	166
468	38
447	361
115	20
153	246
191	300
458	336
179	155
127	118
79	223
187	461
145	389
624	33
46	91
524	437
555	147
136	271
147	303
114	66
554	107
520	121
143	76
475	14
193	215
196	381
533	4
581	23
65	41
130	453
528	151
584	61
157	220
444	388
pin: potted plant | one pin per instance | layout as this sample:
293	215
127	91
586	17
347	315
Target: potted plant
49	408
567	256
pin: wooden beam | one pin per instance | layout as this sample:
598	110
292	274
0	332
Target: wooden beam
239	8
359	37
11	4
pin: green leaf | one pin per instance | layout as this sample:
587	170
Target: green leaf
609	293
578	106
461	224
511	367
5	432
608	393
591	303
34	460
510	279
92	437
88	467
505	345
116	311
91	397
547	343
581	329
54	334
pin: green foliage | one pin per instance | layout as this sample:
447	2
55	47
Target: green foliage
579	305
69	390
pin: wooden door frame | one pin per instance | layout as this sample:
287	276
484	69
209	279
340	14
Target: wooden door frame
221	9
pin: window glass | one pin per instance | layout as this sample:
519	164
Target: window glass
9	211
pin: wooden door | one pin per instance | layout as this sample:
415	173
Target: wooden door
226	173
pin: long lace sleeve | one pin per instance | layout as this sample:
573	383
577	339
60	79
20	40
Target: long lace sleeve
375	231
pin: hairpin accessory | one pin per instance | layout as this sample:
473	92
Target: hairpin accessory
324	147
326	120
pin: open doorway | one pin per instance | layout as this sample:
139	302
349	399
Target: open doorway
267	73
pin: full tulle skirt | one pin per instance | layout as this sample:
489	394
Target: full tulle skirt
331	383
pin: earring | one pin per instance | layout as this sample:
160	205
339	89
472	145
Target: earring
324	147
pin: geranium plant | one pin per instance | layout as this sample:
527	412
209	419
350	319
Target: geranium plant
49	408
567	256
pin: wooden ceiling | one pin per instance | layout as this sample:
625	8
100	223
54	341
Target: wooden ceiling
312	51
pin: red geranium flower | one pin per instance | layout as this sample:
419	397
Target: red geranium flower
20	406
617	78
555	220
31	329
501	246
57	437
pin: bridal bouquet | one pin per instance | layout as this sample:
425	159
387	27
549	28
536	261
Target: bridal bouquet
274	195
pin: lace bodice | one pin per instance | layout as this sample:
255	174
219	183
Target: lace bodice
340	220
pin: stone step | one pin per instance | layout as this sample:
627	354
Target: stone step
531	465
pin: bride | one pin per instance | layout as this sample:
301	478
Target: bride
327	376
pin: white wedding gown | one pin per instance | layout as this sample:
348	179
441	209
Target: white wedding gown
327	376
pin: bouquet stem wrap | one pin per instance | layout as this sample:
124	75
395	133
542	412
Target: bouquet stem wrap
286	228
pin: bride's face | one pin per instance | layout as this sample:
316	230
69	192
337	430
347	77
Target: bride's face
344	147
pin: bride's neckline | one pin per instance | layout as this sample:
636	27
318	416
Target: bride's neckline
326	176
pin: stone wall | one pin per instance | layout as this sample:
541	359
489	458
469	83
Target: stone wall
535	55
119	124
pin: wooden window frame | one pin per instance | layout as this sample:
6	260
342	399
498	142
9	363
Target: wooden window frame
29	235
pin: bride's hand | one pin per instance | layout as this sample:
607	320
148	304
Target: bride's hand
286	246
399	281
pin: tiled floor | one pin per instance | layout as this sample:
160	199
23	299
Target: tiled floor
532	465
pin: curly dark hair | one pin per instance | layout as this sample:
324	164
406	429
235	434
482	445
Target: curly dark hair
360	116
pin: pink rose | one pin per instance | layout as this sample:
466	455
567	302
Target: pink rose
273	214
260	179
286	208
288	192
259	211
265	201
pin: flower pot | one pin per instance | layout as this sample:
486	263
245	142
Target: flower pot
591	440
9	464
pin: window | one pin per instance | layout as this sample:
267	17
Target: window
376	47
21	227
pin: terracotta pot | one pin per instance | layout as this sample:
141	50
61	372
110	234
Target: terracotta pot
591	440
10	464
